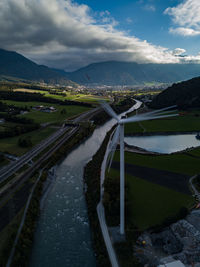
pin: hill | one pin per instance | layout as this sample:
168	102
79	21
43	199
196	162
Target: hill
14	66
185	94
131	73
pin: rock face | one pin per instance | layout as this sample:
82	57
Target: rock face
180	241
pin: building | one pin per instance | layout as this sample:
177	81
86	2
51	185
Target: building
173	264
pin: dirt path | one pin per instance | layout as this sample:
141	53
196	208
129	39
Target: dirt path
172	180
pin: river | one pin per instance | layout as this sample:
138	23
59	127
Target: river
62	236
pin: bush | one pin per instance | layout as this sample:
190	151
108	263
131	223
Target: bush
25	142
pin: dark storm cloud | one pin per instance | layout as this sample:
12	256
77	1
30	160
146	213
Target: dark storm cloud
64	34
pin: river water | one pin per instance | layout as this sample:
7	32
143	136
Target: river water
164	143
62	236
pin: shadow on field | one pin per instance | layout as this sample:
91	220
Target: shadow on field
172	180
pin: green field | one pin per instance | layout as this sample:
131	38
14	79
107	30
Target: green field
43	117
187	122
181	162
7	125
150	204
69	96
10	144
4	162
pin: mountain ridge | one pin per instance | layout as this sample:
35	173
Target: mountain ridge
185	95
15	65
132	73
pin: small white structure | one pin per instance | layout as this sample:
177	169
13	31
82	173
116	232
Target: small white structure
173	264
48	109
38	107
2	121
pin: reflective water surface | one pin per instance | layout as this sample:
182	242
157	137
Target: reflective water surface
164	144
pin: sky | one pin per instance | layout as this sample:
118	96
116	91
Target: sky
69	34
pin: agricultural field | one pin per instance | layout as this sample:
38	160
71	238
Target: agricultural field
89	98
180	162
19	135
185	122
149	203
10	145
157	186
4	162
62	112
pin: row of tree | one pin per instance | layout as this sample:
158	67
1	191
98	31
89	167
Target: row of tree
37	97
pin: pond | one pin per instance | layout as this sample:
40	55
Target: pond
164	143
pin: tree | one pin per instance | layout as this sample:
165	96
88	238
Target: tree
25	141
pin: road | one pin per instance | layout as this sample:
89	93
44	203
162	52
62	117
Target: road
22	221
13	167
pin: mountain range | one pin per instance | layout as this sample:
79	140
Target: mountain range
131	73
14	66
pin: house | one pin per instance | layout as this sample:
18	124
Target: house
22	112
173	264
48	109
38	107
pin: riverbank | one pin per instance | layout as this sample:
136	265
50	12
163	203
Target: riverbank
92	180
160	133
48	185
139	150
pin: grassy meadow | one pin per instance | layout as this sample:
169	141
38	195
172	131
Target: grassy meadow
149	204
183	163
10	145
186	121
69	96
53	117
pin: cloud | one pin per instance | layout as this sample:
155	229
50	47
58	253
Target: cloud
184	31
149	7
187	18
64	34
178	51
129	20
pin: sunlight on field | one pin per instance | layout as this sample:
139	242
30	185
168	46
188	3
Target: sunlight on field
68	95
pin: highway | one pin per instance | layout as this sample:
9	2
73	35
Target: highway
13	167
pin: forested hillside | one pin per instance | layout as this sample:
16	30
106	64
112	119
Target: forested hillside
185	94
